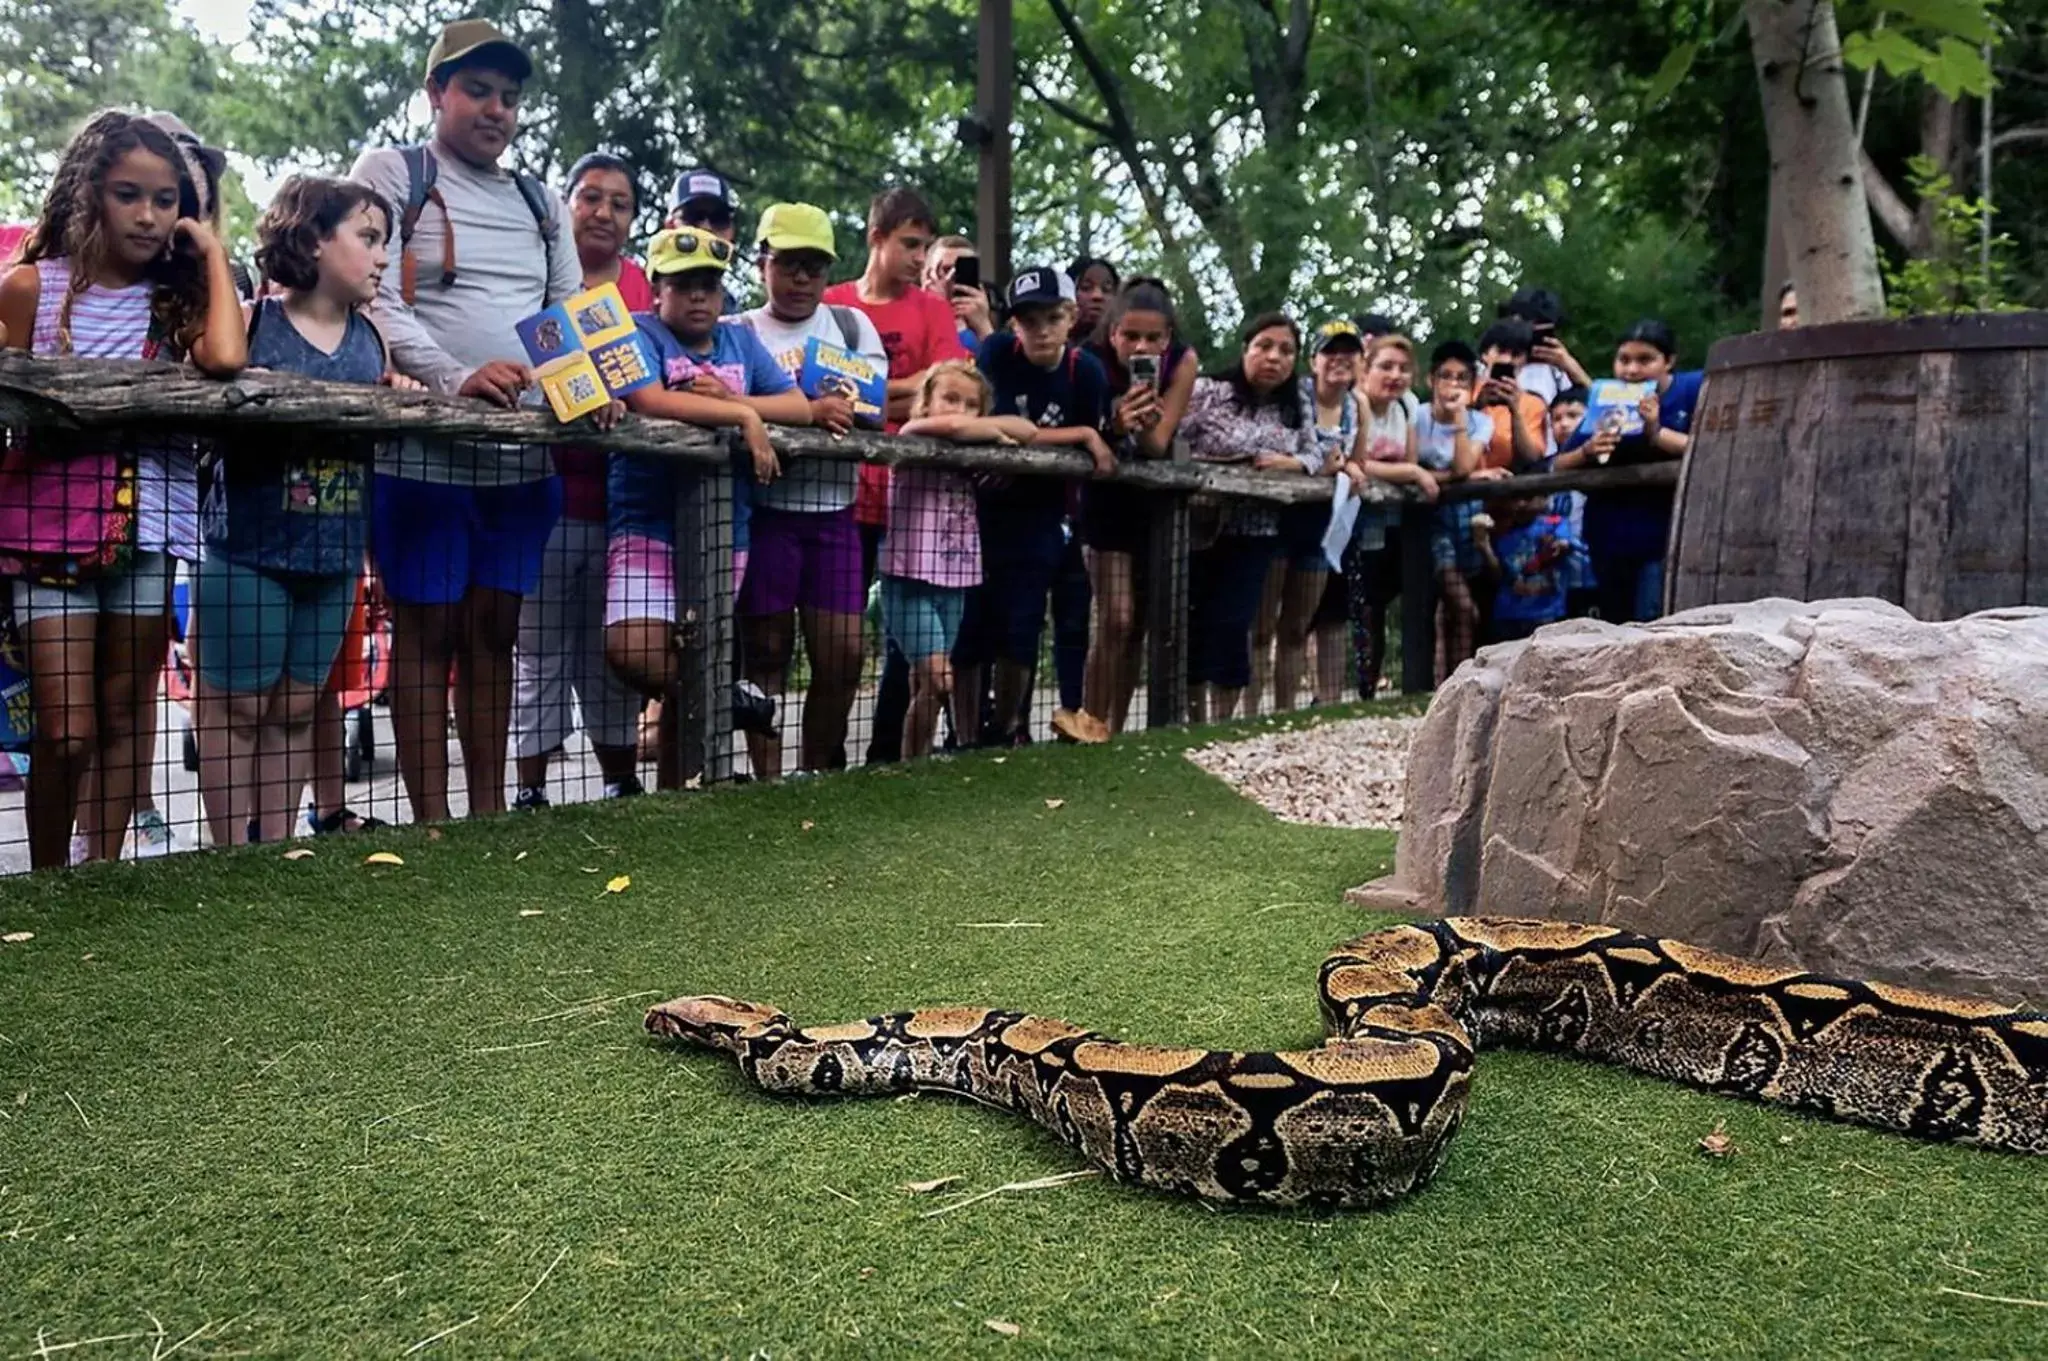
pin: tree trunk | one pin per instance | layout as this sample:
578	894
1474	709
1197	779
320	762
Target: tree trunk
581	76
1832	256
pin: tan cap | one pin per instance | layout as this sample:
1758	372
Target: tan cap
467	38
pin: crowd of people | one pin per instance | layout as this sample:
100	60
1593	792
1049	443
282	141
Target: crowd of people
531	590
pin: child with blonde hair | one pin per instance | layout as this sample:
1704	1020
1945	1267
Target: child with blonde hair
931	557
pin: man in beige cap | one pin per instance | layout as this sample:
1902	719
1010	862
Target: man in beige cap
458	528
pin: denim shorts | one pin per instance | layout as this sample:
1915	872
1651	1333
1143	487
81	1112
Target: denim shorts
919	619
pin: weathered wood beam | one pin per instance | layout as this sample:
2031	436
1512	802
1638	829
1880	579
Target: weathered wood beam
87	394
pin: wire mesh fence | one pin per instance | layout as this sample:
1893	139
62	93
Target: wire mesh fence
325	610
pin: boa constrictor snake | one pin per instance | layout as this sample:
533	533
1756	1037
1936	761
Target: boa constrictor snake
1369	1115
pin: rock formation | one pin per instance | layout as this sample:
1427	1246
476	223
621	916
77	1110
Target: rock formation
1832	785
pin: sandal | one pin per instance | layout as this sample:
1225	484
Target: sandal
342	820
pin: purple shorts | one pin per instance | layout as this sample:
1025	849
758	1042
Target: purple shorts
802	558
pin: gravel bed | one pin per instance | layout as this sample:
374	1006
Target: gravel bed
1347	774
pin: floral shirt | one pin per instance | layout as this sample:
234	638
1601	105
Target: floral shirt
1219	430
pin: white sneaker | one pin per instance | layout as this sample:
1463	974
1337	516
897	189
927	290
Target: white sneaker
152	836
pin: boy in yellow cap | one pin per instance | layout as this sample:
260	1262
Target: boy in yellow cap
804	566
714	373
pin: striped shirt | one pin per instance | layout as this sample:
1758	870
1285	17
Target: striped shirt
113	323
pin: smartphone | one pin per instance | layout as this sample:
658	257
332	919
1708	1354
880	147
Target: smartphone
1502	373
967	271
1145	370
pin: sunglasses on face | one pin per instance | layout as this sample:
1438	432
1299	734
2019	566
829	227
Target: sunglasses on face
717	219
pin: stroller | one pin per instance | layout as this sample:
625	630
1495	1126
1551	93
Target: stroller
358	680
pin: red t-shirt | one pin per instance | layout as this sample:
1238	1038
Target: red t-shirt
634	288
12	235
582	470
918	331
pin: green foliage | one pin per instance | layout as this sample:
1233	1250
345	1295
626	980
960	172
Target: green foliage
1956	274
60	60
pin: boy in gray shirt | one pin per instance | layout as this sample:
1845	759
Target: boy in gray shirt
457	528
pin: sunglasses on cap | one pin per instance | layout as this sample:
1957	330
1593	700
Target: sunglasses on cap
689	243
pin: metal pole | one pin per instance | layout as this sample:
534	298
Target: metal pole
995	73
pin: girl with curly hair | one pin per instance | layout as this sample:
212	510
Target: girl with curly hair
119	266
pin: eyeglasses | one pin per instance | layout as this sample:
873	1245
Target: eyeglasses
797	264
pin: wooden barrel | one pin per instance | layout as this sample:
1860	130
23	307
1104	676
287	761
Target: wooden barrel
1906	460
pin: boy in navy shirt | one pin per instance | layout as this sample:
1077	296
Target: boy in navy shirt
1063	391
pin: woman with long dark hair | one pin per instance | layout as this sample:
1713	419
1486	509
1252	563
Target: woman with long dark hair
1252	414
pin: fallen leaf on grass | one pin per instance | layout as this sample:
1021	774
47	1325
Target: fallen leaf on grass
1717	1144
300	854
383	858
618	883
1055	803
807	824
17	937
1001	759
433	833
529	912
1003	1326
919	1188
521	856
866	1272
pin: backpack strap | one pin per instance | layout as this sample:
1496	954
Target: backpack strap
421	171
849	326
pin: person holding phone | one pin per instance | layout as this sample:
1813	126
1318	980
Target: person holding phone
1151	377
953	271
1521	426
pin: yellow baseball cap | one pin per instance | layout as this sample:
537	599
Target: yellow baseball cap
471	37
681	249
797	226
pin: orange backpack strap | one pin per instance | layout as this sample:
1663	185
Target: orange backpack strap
421	171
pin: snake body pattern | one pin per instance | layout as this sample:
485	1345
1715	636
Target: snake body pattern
1369	1115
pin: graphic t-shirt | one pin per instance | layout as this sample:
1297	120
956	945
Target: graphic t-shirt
811	484
640	488
934	534
917	331
1540	562
299	509
1074	391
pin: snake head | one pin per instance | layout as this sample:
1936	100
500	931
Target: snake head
714	1022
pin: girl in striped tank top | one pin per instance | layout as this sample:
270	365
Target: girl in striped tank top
119	266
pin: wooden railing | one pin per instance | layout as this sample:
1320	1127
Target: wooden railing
88	395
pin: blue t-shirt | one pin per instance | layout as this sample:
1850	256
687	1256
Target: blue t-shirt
1636	523
640	489
299	509
1539	563
1073	392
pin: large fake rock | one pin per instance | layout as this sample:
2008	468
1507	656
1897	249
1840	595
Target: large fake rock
1834	786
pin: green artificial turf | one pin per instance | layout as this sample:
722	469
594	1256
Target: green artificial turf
320	1108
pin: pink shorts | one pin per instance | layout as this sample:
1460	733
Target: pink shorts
640	579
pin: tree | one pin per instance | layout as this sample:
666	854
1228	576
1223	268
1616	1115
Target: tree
1816	173
60	60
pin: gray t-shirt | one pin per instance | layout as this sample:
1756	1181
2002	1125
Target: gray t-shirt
812	484
505	272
